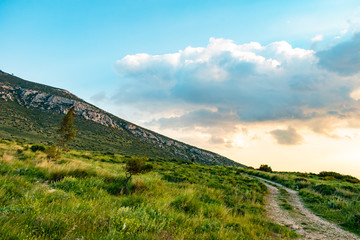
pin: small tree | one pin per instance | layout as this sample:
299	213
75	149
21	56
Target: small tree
67	130
134	166
265	168
51	152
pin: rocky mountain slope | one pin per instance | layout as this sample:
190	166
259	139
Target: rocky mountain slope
31	111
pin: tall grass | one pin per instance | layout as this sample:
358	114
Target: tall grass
77	197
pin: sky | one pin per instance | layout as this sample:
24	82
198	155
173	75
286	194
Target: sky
260	82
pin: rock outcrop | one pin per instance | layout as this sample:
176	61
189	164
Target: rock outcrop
58	100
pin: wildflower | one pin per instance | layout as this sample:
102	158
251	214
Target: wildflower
124	226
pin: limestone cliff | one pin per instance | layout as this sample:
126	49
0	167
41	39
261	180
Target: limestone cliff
32	95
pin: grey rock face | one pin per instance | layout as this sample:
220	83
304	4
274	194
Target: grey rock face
50	102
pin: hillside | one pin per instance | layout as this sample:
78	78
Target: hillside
78	197
31	112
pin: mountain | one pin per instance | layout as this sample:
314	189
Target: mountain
31	112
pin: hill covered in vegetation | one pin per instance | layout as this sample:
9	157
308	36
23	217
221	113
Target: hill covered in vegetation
32	112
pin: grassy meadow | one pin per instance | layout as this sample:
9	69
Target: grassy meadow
77	197
330	195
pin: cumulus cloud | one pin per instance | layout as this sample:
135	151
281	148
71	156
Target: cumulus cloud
287	137
226	84
343	58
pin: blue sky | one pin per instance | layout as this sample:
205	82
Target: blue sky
229	76
62	42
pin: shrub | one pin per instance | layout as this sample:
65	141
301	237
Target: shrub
51	152
36	147
135	166
265	168
302	184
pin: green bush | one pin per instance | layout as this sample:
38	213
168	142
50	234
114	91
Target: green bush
37	147
330	174
265	168
302	184
51	152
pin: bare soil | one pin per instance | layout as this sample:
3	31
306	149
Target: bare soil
299	218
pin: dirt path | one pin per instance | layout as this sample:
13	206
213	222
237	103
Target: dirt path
299	218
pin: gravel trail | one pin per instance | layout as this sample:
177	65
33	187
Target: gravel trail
300	219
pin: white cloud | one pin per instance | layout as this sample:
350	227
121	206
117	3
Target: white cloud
225	84
355	94
317	38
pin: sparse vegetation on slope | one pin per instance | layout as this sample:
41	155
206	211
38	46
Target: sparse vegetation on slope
78	196
31	112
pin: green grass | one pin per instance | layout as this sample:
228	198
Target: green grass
78	197
330	195
283	198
